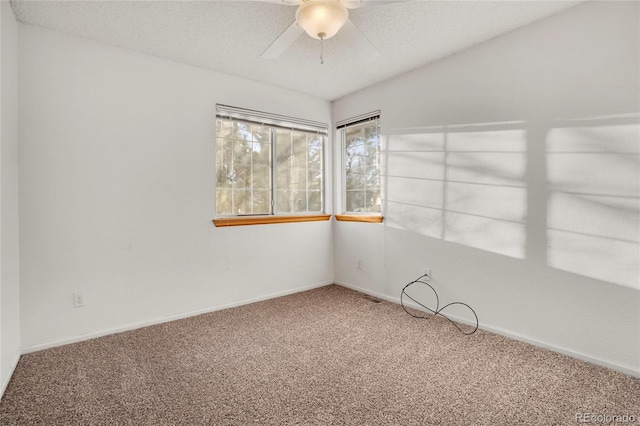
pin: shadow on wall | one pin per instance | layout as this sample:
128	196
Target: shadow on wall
562	192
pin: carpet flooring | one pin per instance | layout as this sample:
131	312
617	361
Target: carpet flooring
324	356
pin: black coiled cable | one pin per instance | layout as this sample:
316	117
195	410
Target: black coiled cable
438	310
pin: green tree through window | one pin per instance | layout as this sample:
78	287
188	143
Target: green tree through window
247	173
362	167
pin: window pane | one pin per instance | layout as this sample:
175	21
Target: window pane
315	201
242	152
373	202
261	202
241	201
362	162
284	202
299	170
371	132
314	149
261	153
241	131
355	181
299	201
283	136
224	151
299	154
223	201
260	133
372	178
261	177
355	201
315	180
356	161
245	156
225	129
355	139
224	176
371	161
283	166
299	178
241	176
284	155
283	178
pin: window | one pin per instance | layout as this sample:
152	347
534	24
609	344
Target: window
361	149
268	164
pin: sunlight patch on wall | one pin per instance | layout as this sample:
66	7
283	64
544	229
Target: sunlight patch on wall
593	214
463	184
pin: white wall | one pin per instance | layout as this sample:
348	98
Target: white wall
9	267
513	173
116	188
117	193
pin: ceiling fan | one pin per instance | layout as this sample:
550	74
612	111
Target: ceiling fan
322	19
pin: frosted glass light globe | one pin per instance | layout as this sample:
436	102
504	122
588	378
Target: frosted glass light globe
321	19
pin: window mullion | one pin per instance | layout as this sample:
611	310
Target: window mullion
291	168
251	188
343	150
233	165
274	171
306	174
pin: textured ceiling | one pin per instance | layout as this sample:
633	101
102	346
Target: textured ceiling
229	36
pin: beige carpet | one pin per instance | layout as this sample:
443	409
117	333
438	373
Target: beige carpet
325	356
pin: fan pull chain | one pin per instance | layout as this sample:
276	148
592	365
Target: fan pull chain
322	36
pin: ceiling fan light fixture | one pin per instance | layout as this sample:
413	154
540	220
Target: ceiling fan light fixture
321	19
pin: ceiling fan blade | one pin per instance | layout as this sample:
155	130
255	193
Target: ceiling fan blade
356	4
282	2
358	42
283	42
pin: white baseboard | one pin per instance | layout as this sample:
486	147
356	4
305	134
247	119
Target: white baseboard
147	323
626	369
5	383
629	370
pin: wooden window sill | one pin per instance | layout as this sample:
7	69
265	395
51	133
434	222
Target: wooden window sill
359	218
264	220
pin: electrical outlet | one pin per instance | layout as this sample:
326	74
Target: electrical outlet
359	264
78	300
426	272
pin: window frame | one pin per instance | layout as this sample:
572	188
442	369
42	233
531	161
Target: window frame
273	122
341	129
